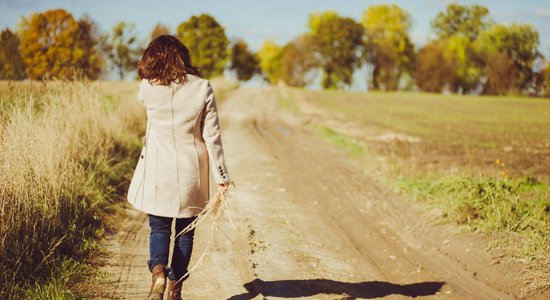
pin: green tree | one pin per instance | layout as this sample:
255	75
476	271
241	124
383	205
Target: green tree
243	61
519	42
122	48
160	29
55	45
388	49
337	41
11	62
207	42
270	56
467	21
432	72
297	60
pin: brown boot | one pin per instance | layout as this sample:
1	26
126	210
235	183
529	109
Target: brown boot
159	282
174	290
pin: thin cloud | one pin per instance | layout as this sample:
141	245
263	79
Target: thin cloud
543	12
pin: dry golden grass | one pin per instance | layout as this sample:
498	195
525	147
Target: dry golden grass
64	151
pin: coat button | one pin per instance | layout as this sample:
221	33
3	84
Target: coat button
142	156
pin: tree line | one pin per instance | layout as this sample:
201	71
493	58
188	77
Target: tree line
469	54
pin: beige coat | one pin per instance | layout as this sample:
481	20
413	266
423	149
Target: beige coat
183	135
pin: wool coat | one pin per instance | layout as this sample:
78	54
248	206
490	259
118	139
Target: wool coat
182	139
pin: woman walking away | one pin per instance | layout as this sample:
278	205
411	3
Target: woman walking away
182	139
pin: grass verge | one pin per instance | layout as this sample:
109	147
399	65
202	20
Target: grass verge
352	147
518	209
513	207
66	155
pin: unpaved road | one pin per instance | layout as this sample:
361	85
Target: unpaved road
311	223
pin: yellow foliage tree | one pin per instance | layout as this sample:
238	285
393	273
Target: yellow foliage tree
270	56
55	45
389	48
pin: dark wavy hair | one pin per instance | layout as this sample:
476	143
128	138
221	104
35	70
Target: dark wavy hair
166	60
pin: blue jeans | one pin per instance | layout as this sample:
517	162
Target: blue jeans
159	244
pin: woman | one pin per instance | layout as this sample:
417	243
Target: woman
171	178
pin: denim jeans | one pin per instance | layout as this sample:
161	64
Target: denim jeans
159	244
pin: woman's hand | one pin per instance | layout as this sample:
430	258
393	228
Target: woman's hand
223	187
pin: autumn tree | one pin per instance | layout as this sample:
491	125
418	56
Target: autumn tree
297	61
514	46
160	29
122	48
207	42
466	63
243	61
337	41
11	62
501	74
460	26
388	49
270	56
544	77
432	73
55	45
466	21
89	60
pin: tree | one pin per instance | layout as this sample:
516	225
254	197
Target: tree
501	74
88	59
297	60
207	42
337	41
388	48
466	21
55	45
432	72
519	42
460	26
160	29
122	48
243	62
11	62
466	64
544	76
270	56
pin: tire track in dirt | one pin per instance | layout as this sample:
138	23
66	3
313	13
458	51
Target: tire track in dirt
394	239
310	224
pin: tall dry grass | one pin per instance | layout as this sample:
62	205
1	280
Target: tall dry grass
65	155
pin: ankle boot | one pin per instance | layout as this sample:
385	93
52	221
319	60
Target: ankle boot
174	290
158	282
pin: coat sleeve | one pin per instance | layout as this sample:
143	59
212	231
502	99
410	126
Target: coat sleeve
212	137
140	94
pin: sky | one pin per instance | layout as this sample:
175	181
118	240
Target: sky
280	20
256	20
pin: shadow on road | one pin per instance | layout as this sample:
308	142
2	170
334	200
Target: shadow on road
305	288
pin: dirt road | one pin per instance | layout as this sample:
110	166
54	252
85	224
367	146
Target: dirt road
311	223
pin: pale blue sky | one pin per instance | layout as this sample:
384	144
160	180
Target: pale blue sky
256	20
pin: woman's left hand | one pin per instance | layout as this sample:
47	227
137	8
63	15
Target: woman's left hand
222	186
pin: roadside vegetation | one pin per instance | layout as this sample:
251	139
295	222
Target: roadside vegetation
480	163
67	151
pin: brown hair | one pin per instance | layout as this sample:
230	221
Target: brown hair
166	60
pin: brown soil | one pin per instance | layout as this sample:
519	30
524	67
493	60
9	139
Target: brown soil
311	223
